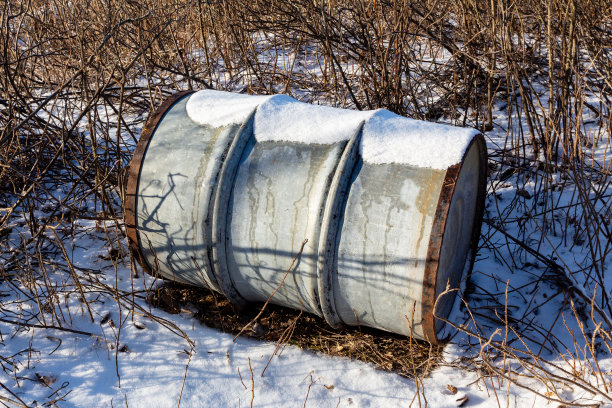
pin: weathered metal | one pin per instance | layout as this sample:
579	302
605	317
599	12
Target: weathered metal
131	191
216	208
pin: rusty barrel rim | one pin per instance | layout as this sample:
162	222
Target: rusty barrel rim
135	166
430	277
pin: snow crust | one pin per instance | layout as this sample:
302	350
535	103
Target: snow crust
386	137
282	118
218	108
390	138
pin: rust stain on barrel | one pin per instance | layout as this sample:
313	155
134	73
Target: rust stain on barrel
425	200
430	277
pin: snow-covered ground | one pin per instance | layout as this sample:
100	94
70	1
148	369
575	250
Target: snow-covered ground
159	368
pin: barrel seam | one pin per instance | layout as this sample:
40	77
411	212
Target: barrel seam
226	284
327	250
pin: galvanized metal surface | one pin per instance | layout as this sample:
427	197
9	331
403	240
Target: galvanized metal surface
278	201
330	226
131	190
215	208
383	246
174	200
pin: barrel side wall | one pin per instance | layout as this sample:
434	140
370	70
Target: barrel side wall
277	202
179	170
383	246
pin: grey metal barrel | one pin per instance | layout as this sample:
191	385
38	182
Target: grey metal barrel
223	190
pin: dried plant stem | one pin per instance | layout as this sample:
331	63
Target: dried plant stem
263	308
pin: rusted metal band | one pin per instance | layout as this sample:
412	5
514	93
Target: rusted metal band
131	192
483	175
430	277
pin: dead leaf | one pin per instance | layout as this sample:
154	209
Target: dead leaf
462	400
46	380
257	330
523	193
105	318
186	311
451	388
329	387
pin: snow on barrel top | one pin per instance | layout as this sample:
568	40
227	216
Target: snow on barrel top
390	138
283	118
218	108
386	137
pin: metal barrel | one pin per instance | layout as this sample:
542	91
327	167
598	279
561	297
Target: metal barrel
212	205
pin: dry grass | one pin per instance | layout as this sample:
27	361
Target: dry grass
78	79
284	326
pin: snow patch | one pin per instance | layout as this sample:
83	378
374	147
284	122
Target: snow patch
390	138
386	137
282	118
218	108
